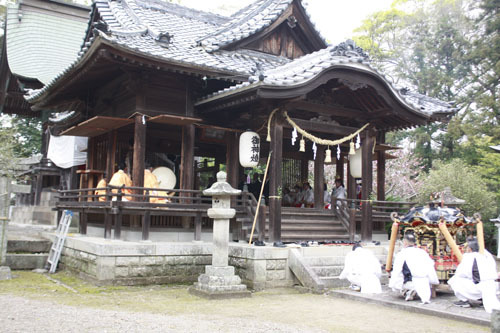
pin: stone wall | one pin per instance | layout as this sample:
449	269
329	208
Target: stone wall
134	263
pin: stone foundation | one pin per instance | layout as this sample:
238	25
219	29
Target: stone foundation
134	263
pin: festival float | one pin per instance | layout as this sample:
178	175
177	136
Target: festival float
438	228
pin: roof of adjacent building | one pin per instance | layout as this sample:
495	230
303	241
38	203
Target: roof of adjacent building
197	40
43	37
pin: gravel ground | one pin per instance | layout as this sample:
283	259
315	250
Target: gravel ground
33	302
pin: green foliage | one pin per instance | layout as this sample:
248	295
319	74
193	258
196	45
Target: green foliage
28	135
7	153
465	183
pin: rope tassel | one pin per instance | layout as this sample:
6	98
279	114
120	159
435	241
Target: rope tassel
328	157
352	151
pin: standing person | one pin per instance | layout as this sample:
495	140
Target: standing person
255	186
413	271
297	196
120	178
475	279
363	270
339	190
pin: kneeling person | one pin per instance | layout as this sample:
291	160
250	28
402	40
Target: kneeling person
413	271
475	278
363	270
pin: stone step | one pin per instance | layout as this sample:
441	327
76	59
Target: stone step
26	261
334	282
28	245
313	236
312	227
327	271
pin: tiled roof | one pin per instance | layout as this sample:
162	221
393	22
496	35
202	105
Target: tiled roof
345	55
139	26
41	43
244	23
182	36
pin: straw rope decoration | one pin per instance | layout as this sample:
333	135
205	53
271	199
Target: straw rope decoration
315	139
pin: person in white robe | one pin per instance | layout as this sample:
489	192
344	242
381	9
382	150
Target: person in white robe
475	279
363	270
413	271
339	190
327	198
307	196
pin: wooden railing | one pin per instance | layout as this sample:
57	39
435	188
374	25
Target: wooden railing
349	212
155	210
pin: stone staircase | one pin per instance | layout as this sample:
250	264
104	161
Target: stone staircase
27	249
318	268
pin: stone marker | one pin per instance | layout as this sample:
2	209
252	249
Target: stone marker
219	280
4	270
495	321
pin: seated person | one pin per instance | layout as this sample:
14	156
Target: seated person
150	181
120	178
287	197
363	270
475	278
327	198
307	196
101	189
413	271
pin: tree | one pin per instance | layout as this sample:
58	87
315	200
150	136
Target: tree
464	183
423	45
8	159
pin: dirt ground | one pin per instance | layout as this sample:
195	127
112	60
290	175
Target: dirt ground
62	303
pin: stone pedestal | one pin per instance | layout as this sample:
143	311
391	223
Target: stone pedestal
4	270
3	239
219	280
219	283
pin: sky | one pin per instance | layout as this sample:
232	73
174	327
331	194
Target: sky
335	19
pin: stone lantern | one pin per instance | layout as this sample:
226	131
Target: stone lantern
219	280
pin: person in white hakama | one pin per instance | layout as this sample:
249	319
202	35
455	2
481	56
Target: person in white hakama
475	279
413	271
363	270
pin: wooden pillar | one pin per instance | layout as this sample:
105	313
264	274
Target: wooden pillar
110	156
187	158
275	180
186	167
146	224
381	175
83	223
139	153
232	159
38	188
304	170
381	170
366	189
339	166
351	183
319	178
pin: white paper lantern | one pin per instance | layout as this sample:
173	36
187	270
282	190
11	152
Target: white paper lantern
355	162
249	149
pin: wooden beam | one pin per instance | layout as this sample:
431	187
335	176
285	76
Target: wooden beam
339	167
275	180
366	189
139	152
319	178
111	155
329	110
312	126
